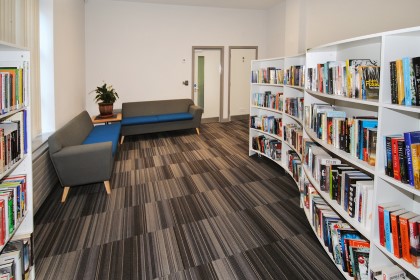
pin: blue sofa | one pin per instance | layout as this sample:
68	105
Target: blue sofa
159	115
83	153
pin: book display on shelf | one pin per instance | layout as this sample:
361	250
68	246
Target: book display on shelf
356	141
16	213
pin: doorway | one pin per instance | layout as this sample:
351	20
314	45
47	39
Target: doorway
207	81
239	80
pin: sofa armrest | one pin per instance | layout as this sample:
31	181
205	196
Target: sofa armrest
196	111
84	164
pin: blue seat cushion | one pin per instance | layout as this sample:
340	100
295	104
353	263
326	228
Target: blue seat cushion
105	133
175	117
156	118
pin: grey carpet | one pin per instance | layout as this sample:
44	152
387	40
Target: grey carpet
183	206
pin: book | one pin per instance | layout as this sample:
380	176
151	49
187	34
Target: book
416	73
393	82
405	234
413	226
411	138
393	273
395	157
396	236
381	224
406	61
370	82
400	82
388	230
403	160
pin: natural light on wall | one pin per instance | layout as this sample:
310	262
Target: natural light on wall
19	25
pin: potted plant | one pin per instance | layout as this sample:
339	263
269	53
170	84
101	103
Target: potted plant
105	97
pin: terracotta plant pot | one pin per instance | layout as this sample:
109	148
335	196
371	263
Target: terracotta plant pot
106	109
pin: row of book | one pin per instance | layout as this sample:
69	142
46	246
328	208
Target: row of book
268	100
348	186
294	76
16	259
350	250
269	124
402	157
294	164
355	135
399	231
293	135
13	205
13	87
268	146
13	140
294	107
353	78
405	81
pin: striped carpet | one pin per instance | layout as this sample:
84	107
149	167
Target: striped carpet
183	206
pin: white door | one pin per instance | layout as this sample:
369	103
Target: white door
207	83
240	73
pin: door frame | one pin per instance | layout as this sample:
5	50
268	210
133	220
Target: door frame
230	69
222	58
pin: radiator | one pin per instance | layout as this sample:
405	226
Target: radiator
44	176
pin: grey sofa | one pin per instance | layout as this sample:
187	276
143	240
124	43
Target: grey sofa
83	153
160	115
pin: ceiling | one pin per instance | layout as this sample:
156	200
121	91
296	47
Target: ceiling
236	4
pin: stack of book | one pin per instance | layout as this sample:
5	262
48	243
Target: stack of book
269	147
16	259
294	164
13	205
403	157
349	187
295	76
268	100
269	75
399	231
293	135
269	124
13	84
354	135
350	250
405	81
294	107
353	78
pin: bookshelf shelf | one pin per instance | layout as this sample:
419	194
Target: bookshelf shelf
401	262
398	184
299	121
266	84
414	109
267	109
267	133
343	98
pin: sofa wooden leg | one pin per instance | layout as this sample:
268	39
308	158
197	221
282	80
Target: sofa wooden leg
122	139
198	130
107	187
65	193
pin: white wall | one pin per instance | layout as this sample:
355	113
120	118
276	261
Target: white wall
276	23
328	21
139	48
69	60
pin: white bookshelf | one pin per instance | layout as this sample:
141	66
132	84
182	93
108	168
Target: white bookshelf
392	119
289	91
14	56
